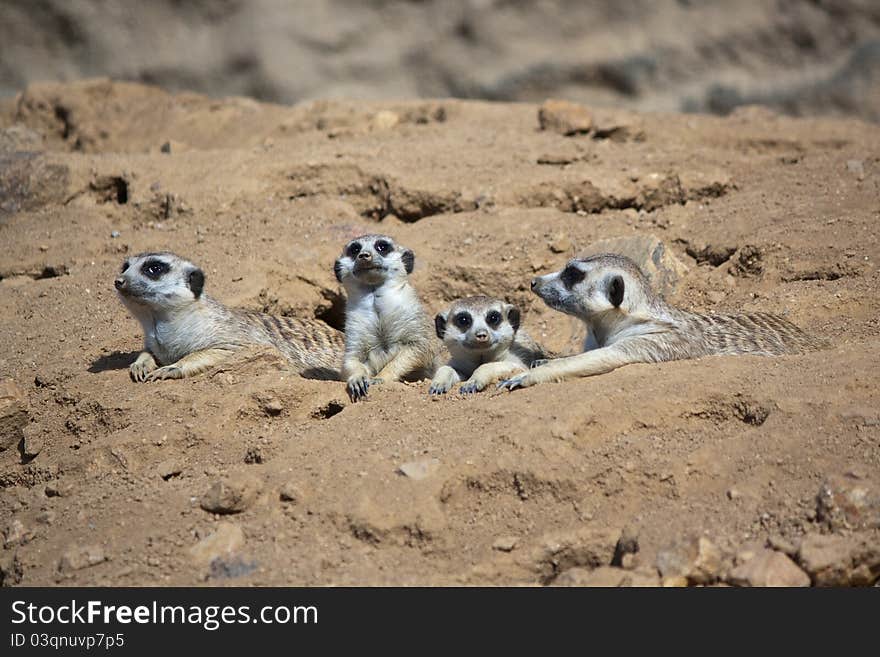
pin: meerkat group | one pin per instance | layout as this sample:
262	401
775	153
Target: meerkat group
476	341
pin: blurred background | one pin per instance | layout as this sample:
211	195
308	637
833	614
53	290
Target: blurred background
801	57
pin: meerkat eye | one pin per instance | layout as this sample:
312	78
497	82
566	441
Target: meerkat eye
493	318
383	247
571	276
353	249
155	269
463	321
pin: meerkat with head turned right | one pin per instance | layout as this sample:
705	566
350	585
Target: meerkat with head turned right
631	324
485	343
187	332
388	335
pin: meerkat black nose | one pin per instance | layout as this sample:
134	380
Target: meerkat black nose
534	283
364	255
119	283
481	336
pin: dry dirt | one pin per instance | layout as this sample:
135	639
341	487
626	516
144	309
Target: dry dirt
530	487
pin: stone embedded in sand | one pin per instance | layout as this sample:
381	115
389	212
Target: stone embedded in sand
560	243
849	502
168	468
232	495
291	492
81	556
59	488
32	443
840	560
384	120
13	414
584	547
505	543
690	561
565	117
652	256
222	542
768	568
607	576
419	469
16	533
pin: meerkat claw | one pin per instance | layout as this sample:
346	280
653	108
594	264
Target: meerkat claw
468	389
167	372
513	383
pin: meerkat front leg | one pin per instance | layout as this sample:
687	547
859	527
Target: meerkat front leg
190	365
488	373
590	363
443	380
407	360
358	377
140	368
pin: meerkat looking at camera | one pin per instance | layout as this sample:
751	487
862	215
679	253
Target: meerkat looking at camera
388	335
631	324
187	332
485	344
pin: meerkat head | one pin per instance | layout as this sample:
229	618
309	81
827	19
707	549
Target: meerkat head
478	324
598	284
372	260
158	281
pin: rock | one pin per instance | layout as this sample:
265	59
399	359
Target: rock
419	469
385	120
660	265
617	125
46	517
565	117
232	495
856	167
505	543
59	488
690	560
607	576
733	494
713	254
79	557
16	533
221	543
840	561
627	545
291	492
748	262
10	570
271	405
168	468
768	568
585	547
848	502
13	415
32	442
560	244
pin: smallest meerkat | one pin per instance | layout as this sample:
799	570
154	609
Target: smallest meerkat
485	344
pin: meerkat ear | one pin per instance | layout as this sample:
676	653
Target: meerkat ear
615	291
409	260
337	269
196	282
513	317
440	325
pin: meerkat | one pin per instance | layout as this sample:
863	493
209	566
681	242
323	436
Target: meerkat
485	344
388	335
186	332
629	323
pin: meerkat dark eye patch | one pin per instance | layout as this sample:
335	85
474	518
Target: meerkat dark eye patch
155	269
571	276
463	321
440	325
409	260
125	265
493	318
353	249
513	317
383	247
196	282
615	291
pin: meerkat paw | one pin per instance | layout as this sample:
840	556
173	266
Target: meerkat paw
472	386
141	368
167	372
357	387
520	381
443	381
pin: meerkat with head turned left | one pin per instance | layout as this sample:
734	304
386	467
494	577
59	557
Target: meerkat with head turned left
485	343
631	324
388	335
187	332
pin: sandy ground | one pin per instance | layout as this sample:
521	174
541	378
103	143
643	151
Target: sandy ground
537	486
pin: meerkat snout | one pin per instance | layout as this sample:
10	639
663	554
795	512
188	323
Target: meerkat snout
119	283
534	283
